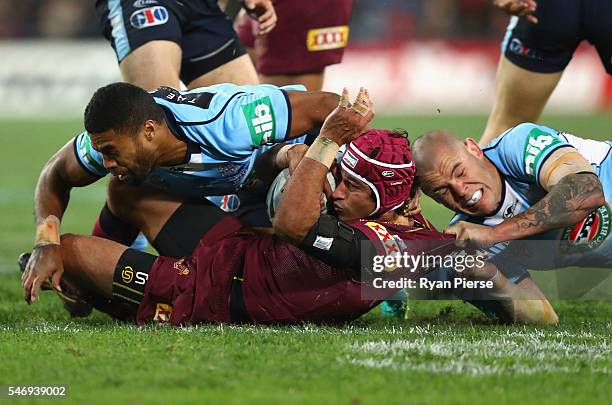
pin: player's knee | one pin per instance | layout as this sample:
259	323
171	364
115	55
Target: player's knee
70	243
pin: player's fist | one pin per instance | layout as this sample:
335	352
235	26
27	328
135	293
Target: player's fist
478	236
521	8
347	121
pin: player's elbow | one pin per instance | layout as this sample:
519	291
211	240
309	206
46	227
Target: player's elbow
599	199
289	228
596	197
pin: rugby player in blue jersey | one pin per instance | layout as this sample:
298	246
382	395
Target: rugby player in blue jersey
532	182
169	145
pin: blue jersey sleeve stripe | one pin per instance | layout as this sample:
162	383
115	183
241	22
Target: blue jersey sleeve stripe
607	154
78	158
289	113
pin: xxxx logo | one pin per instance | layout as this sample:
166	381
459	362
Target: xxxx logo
259	116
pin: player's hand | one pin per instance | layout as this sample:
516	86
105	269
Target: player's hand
45	262
521	8
479	236
348	121
295	155
263	12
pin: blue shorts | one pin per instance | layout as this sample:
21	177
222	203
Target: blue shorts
548	46
202	30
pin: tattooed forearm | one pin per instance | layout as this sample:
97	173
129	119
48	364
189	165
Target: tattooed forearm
569	201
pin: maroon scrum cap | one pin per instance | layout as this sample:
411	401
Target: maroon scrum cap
382	159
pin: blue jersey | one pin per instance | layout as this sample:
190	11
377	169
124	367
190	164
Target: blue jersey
518	155
226	127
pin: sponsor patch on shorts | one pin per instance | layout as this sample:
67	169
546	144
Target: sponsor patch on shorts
259	116
323	39
149	17
144	3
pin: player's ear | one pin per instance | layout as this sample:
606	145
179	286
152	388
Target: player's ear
473	148
149	131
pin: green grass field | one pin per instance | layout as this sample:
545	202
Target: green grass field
444	352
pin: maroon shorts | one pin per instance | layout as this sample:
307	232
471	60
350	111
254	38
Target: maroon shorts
308	36
198	289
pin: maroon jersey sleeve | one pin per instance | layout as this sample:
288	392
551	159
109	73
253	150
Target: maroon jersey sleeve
352	245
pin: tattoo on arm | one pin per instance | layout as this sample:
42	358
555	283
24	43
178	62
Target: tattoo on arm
569	201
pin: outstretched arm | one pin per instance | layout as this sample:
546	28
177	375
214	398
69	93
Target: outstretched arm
309	109
574	191
59	175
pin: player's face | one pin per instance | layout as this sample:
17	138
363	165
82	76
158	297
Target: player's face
352	198
125	155
463	180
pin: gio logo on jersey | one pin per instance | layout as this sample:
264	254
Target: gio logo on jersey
259	116
149	17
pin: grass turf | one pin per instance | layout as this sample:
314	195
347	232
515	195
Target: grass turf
444	352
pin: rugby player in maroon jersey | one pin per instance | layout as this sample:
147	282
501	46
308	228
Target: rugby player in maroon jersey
312	273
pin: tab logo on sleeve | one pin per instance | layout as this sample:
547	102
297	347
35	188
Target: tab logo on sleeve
259	116
537	142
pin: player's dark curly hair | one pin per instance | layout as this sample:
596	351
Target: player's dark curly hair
120	107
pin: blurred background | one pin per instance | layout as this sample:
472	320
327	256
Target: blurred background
434	56
403	19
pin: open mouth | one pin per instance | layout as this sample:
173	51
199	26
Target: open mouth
122	177
475	198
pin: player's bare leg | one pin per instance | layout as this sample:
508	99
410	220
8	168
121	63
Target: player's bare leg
522	303
312	81
89	263
154	64
144	207
520	97
238	71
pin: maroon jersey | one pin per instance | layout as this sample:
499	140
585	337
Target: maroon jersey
308	36
281	283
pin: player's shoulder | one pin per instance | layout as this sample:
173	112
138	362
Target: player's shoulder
517	133
382	230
